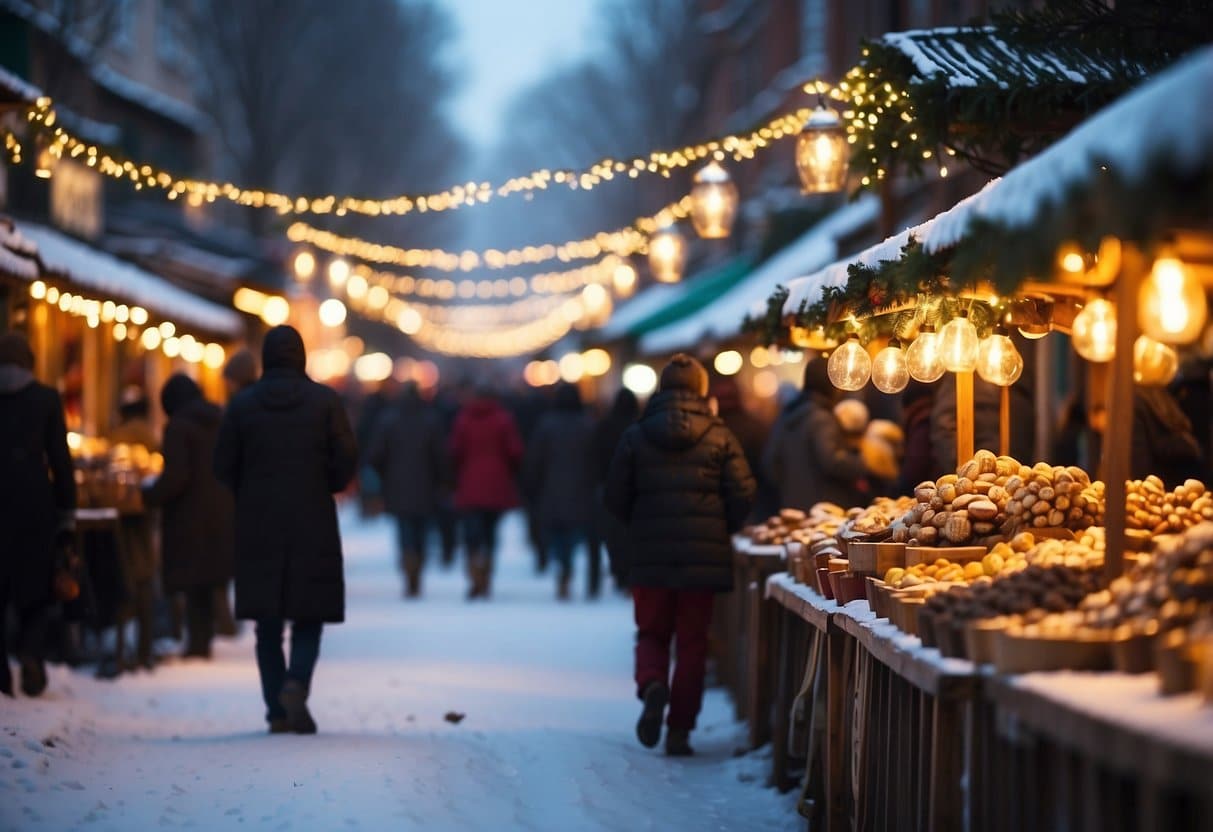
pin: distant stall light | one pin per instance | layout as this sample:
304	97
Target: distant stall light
304	265
373	367
596	361
728	363
275	311
766	384
332	312
572	367
641	379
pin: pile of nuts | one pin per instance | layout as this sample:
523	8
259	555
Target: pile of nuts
1150	507
941	570
1053	496
821	521
1023	550
1052	589
1172	588
879	516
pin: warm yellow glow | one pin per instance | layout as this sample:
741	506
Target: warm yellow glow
572	367
377	297
214	355
121	313
150	339
728	363
52	295
597	362
191	350
759	357
1171	304
167	328
958	345
108	309
304	265
339	272
822	155
1154	363
409	321
667	255
373	367
641	379
37	290
850	366
119	332
713	202
1071	259
890	372
766	384
594	298
171	347
332	312
1094	331
998	361
356	288
923	357
276	311
624	279
138	315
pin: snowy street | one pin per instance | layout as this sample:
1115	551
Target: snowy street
548	741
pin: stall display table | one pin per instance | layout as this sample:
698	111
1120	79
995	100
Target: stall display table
749	641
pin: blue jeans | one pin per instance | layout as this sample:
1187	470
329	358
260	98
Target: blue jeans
305	649
411	532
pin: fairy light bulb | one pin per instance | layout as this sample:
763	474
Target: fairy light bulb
890	369
667	254
1171	304
1094	331
1154	363
623	278
713	202
998	361
923	358
850	366
958	344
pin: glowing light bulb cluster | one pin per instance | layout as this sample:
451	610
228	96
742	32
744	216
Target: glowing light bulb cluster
998	360
1171	304
1094	331
924	360
849	366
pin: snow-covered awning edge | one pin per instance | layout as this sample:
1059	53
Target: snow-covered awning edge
1160	119
93	270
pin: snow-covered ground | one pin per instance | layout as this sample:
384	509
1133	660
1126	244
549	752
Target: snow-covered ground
548	740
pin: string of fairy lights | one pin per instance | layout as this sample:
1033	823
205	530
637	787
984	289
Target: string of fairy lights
461	319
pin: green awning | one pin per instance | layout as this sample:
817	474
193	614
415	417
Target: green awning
703	289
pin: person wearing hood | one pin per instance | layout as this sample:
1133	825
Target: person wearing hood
680	482
37	501
408	452
195	510
486	451
285	448
807	457
557	479
605	529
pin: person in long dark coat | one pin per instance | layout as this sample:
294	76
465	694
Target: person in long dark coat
408	452
605	528
680	482
285	447
195	510
807	457
557	479
37	498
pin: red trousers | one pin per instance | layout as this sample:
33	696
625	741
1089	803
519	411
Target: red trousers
663	615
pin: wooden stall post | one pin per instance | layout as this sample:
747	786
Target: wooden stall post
1118	438
964	417
1004	421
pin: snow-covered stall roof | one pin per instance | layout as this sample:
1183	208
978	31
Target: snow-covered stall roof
17	254
90	268
17	88
1160	119
719	319
977	57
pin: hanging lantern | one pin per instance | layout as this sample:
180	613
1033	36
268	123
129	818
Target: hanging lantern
1171	304
1094	331
667	254
890	372
1154	363
822	156
713	202
623	278
998	361
923	358
958	344
850	366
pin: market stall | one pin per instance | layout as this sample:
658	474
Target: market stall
975	625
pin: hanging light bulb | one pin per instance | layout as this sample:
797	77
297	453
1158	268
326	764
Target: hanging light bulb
923	358
339	272
44	162
1094	331
667	254
822	156
890	371
713	202
1034	332
958	344
998	361
1154	363
304	265
1171	304
850	366
623	278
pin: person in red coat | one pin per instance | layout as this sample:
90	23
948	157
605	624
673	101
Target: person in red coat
486	451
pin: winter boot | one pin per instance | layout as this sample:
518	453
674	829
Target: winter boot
678	743
484	576
279	726
294	699
562	585
648	729
412	575
33	677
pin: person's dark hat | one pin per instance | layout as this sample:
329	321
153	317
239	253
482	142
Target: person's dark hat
241	368
817	376
15	350
685	373
283	350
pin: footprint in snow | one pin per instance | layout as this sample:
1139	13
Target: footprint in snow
74	785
